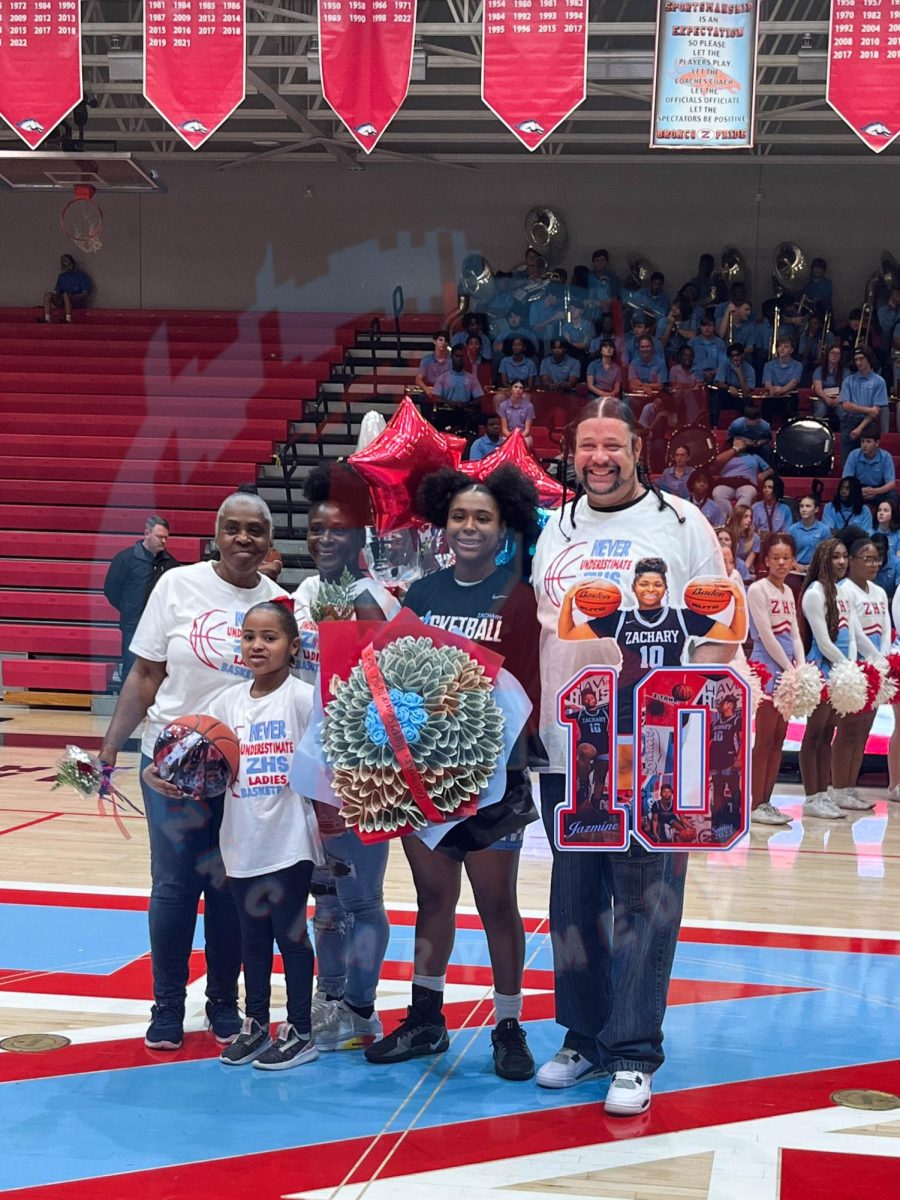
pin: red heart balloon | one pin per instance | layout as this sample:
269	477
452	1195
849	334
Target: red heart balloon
516	453
394	464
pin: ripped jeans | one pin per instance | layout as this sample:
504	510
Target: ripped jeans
350	927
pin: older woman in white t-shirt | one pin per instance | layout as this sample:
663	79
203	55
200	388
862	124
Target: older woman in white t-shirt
187	651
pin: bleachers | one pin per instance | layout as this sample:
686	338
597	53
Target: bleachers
115	416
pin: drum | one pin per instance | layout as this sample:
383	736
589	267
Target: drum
699	440
804	447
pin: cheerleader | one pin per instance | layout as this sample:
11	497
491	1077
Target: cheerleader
873	641
828	615
777	645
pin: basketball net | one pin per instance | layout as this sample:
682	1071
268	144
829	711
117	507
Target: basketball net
82	220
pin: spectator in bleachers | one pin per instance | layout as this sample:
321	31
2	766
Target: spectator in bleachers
475	363
699	486
490	440
517	366
895	370
187	651
873	467
736	323
756	432
472	327
809	343
646	372
818	286
745	538
640	328
132	576
547	314
736	378
889	572
889	317
578	331
72	290
807	533
826	386
848	334
887	522
516	412
674	478
604	375
512	326
457	389
781	380
603	285
433	365
770	513
740	472
653	299
684	374
863	401
738	568
708	348
847	508
559	370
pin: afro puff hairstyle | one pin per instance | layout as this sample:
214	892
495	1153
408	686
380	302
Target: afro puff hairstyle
514	494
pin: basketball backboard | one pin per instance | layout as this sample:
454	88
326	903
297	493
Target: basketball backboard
51	171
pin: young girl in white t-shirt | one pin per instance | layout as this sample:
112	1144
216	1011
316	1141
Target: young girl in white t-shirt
269	838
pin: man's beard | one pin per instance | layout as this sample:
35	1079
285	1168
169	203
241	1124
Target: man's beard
619	482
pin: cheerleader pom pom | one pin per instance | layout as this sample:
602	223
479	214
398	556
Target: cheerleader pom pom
758	678
887	685
798	691
848	691
893	669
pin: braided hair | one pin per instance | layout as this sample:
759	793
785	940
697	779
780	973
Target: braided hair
614	409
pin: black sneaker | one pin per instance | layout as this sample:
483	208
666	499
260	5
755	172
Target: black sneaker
415	1037
288	1050
512	1058
166	1028
252	1041
223	1017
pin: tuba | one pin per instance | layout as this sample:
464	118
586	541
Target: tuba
790	268
475	282
546	234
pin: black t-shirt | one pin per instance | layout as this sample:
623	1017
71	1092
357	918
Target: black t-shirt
500	613
667	822
647	638
593	727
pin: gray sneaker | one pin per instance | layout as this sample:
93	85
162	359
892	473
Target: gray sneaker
850	799
252	1041
288	1050
820	806
768	814
343	1029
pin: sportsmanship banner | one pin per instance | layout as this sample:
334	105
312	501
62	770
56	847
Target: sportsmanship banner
864	68
704	82
365	56
194	63
40	65
534	64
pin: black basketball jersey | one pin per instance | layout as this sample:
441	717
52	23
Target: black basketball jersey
593	727
724	741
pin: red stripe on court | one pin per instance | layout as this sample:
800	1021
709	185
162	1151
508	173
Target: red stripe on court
27	824
806	1173
277	1173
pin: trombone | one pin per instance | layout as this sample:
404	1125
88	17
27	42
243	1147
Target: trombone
823	341
776	322
865	326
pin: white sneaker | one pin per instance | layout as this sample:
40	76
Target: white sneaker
820	806
321	1006
850	798
894	793
344	1029
566	1068
629	1094
768	814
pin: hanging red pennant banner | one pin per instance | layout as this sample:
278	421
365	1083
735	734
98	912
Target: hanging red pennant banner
534	64
194	63
40	65
365	56
864	68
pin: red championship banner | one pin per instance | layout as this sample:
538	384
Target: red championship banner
534	64
864	68
194	63
365	55
40	65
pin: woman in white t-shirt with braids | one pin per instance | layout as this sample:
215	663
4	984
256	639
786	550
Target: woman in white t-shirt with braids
873	641
188	651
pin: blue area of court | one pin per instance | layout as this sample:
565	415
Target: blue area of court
88	941
126	1116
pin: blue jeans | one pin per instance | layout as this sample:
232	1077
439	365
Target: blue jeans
614	921
350	926
185	863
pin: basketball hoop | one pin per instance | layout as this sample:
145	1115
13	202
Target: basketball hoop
82	219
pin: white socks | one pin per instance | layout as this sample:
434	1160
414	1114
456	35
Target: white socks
507	1008
434	983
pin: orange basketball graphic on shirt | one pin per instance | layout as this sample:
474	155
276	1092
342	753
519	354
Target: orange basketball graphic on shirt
598	599
708	598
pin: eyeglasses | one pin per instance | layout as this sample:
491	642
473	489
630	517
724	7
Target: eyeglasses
869	560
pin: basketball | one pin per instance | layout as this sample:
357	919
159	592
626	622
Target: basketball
707	598
598	599
199	754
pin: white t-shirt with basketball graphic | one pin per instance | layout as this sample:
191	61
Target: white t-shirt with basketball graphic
606	545
193	623
266	825
307	594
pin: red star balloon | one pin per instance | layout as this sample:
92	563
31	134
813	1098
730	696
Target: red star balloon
515	453
394	464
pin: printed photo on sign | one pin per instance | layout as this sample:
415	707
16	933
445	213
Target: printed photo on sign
593	816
